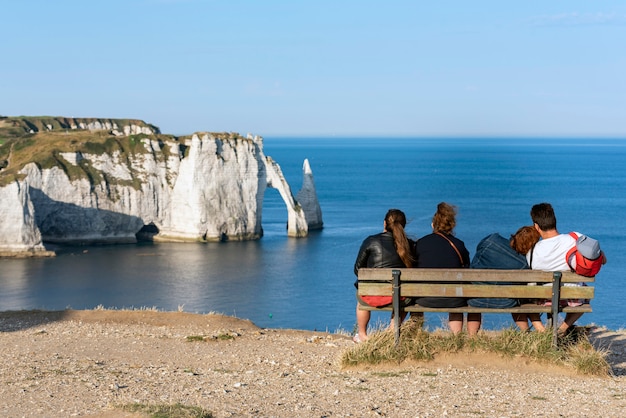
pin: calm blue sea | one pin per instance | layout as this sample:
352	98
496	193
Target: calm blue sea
307	283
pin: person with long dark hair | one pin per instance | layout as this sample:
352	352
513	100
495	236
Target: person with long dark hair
388	249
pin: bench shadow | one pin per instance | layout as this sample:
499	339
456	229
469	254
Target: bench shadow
614	343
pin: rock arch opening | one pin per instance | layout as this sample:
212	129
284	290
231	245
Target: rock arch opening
147	232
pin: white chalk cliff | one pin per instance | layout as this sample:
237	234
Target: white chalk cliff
18	232
307	197
206	187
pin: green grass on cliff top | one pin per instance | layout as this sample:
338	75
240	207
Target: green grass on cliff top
18	146
44	149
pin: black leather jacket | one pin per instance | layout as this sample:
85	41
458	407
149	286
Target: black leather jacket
378	251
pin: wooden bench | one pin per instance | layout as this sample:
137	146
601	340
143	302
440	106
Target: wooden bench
422	282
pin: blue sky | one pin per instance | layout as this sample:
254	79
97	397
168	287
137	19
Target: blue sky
329	68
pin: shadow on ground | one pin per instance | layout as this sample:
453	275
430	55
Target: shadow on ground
11	321
614	343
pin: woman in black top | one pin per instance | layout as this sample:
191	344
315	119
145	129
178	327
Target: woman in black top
389	249
442	249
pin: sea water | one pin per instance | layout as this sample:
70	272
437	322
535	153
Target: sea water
307	283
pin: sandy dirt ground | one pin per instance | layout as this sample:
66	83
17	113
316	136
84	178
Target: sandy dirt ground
91	363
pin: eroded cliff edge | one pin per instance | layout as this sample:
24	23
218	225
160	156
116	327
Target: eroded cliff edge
80	180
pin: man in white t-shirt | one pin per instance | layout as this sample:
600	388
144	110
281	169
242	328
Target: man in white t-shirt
549	253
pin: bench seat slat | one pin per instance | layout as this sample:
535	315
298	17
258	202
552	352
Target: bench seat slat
475	291
526	308
381	289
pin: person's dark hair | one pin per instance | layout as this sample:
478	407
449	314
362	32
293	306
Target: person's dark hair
524	239
444	219
543	215
395	221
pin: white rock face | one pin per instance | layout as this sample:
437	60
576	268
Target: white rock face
77	211
218	193
296	222
307	197
18	231
107	125
206	189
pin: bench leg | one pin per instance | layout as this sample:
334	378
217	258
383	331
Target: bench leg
397	315
556	296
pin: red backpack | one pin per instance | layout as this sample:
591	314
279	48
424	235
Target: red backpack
587	254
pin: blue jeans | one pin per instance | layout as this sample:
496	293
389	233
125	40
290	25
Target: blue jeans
501	303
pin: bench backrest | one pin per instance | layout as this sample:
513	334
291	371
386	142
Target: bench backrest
472	283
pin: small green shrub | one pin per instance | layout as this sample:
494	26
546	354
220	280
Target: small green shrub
168	411
223	336
192	338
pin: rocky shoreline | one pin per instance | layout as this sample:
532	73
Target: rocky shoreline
27	254
90	363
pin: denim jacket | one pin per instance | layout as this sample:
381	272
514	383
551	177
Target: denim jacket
494	252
